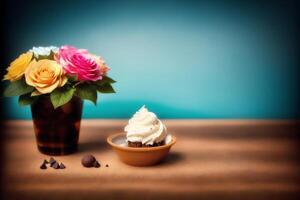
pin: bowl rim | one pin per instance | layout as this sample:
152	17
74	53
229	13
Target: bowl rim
126	148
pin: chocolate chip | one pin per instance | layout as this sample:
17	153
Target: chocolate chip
106	165
43	166
52	164
97	164
52	161
88	160
62	166
55	165
46	162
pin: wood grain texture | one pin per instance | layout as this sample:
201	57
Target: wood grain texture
224	159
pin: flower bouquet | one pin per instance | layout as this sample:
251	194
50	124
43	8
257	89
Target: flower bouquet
54	81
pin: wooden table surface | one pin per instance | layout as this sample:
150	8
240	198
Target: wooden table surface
212	159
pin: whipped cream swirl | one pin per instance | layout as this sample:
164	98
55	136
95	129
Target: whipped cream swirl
145	127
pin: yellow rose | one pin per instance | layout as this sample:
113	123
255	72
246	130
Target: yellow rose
17	68
45	75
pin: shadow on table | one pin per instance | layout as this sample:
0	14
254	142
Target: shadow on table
93	146
172	158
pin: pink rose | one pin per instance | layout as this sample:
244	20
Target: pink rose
79	62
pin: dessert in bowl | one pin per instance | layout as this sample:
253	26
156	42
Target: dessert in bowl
145	141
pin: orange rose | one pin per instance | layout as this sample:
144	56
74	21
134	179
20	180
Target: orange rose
45	75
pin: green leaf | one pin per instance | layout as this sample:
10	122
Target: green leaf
51	56
87	91
17	88
108	79
41	57
106	88
72	78
105	80
26	99
61	96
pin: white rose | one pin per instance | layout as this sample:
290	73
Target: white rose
43	51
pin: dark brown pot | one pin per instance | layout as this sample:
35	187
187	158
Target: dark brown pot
56	130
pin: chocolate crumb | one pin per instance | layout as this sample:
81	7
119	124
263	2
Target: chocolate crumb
97	164
55	165
62	166
43	166
106	165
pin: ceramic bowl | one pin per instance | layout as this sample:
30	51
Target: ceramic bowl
139	156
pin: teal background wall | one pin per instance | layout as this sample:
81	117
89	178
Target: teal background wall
182	59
